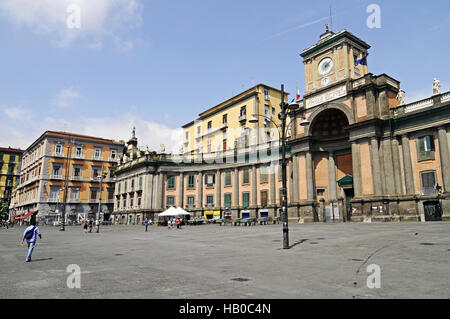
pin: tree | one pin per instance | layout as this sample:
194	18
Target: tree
3	211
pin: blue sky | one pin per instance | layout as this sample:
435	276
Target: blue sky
157	64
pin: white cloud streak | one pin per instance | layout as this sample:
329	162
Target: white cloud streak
100	20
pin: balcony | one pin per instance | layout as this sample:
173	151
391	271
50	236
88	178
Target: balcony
242	117
59	177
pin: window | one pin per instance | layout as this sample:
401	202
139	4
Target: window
140	182
273	110
266	94
170	182
210	179
132	185
54	193
11	168
118	189
74	193
224	119
320	192
191	201
227	178
77	172
227	200
209	125
264	178
131	202
56	172
93	194
428	182
209	200
245	200
243	111
191	181
264	198
58	149
110	194
95	172
187	136
425	148
113	155
97	153
125	189
266	110
170	201
79	151
246	176
139	201
199	130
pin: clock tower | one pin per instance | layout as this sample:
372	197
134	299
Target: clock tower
332	60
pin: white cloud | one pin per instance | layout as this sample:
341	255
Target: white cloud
100	19
18	113
65	98
21	132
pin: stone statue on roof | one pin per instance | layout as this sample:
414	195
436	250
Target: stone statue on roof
401	97
436	87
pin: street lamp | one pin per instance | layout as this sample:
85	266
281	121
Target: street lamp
66	186
286	108
99	201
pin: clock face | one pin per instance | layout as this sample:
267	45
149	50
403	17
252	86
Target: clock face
325	66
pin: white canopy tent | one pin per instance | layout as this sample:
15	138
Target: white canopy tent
181	211
170	212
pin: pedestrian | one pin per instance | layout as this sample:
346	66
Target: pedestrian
173	223
178	223
85	225
91	223
169	223
30	235
97	225
146	224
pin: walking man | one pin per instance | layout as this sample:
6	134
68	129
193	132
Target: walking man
30	235
146	224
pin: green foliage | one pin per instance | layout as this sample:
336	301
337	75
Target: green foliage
3	211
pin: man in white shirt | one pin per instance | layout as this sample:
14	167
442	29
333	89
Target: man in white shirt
30	235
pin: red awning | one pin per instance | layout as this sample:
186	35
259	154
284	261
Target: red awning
26	215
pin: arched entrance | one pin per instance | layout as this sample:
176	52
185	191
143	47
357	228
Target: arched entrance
332	163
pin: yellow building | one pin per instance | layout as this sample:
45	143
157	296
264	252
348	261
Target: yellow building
10	160
226	126
66	168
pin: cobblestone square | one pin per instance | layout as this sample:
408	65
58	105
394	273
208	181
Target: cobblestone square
211	261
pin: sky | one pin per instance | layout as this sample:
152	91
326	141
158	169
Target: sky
157	64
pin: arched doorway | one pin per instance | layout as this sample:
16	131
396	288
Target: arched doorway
332	162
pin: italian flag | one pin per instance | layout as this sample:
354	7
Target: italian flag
298	94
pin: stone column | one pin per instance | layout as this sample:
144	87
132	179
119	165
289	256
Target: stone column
180	193
332	177
160	192
200	190
407	163
218	189
254	201
236	187
356	162
309	177
396	164
296	193
388	166
376	170
445	159
273	198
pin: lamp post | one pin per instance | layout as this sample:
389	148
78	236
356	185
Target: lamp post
66	180
101	177
286	108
